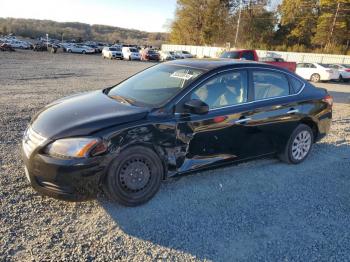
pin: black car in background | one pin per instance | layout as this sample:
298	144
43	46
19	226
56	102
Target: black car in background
170	119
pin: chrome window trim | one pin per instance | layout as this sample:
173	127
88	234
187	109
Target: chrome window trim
245	103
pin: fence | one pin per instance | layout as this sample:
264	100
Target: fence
205	51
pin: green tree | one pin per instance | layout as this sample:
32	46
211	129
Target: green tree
333	25
299	20
257	25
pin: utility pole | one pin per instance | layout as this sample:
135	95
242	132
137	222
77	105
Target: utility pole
239	21
334	22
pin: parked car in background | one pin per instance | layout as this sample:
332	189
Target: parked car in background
251	55
81	49
167	55
316	72
344	71
172	118
40	47
277	61
149	55
6	47
131	53
183	54
95	47
112	53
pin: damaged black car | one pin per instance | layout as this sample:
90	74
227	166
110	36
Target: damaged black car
170	119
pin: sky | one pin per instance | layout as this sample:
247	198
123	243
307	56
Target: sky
145	15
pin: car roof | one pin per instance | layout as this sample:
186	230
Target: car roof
214	63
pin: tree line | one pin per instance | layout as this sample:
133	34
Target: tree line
33	28
294	25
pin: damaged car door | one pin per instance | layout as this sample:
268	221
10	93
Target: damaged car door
223	133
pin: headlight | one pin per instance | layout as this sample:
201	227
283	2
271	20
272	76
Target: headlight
76	147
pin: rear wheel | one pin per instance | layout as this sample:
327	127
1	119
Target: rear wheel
135	176
84	52
299	145
315	78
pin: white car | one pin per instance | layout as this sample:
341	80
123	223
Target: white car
131	53
81	49
19	44
316	72
344	71
167	55
112	52
183	54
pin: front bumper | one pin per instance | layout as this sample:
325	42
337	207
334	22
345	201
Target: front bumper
66	179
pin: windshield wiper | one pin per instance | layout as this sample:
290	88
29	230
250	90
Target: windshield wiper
123	100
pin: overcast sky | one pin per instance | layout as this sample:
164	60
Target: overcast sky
147	15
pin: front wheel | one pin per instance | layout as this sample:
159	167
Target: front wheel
299	145
135	176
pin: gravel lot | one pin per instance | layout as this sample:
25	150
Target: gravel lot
257	211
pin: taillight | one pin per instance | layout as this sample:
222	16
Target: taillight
347	70
328	99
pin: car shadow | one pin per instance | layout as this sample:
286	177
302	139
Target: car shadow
243	212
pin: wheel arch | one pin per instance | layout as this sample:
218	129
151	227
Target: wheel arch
157	150
312	124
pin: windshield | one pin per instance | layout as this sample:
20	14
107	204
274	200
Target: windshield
325	65
155	86
185	52
346	66
134	50
232	55
112	49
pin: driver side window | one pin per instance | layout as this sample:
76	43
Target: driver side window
226	89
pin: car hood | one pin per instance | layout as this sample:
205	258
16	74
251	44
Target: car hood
83	114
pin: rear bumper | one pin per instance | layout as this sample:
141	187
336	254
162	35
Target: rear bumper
66	179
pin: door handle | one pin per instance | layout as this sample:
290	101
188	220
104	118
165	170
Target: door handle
293	111
243	120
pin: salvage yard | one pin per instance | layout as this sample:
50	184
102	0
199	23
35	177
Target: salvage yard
261	210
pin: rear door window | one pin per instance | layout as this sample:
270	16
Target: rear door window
269	84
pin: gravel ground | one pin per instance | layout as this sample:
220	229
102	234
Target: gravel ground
257	211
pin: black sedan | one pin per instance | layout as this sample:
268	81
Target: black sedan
171	119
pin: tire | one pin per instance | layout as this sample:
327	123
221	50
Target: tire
315	78
83	52
298	146
129	58
134	177
341	79
69	51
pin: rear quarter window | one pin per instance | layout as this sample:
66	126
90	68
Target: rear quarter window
296	85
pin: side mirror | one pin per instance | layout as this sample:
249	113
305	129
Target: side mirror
196	106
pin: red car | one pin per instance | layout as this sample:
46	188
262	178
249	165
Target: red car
150	55
253	56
